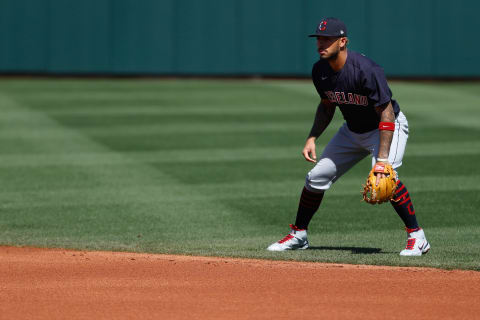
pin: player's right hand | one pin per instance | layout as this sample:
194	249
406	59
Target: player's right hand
309	150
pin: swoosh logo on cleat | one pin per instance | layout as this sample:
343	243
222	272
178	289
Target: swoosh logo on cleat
425	245
301	243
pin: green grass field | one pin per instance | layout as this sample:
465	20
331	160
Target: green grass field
213	167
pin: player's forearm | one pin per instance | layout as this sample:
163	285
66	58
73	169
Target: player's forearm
323	117
386	136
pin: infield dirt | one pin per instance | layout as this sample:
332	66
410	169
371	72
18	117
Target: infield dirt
64	284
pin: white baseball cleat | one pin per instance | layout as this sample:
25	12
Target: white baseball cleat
417	244
295	240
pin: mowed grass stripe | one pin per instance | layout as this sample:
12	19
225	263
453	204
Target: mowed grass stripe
268	211
159	192
452	98
279	169
161	109
211	141
12	132
449	104
232	94
427	150
248	139
77	121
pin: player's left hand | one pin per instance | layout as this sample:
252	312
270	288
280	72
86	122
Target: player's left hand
379	175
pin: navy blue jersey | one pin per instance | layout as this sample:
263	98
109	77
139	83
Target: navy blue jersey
356	89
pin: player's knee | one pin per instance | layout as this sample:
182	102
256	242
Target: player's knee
317	183
321	177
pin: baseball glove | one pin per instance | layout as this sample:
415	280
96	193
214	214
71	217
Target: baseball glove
386	187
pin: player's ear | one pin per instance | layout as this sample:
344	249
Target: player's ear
343	42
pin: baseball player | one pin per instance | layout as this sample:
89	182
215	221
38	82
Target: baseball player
374	126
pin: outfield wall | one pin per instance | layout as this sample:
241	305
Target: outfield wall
424	38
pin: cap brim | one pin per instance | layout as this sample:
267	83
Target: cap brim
326	35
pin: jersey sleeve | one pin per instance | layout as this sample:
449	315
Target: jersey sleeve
377	89
316	80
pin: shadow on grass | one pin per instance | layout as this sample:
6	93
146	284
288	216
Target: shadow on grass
354	250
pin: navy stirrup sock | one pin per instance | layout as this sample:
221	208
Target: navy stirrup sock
404	207
309	203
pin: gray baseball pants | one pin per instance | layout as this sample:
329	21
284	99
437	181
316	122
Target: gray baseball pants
347	148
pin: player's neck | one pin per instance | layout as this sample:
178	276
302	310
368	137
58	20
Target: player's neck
338	63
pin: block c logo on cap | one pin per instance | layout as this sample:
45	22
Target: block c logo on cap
322	26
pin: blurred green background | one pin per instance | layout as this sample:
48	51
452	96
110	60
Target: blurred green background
428	38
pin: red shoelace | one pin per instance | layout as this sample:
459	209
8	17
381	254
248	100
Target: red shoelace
410	244
287	237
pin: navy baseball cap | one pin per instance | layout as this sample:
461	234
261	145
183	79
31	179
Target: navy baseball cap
330	27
